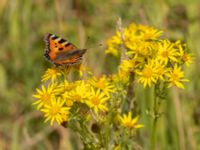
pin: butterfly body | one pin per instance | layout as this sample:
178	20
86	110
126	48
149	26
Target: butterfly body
61	52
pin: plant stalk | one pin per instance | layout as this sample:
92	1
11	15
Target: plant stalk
155	120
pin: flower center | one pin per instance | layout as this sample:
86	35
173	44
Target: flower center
147	72
54	110
148	36
160	71
129	124
174	77
100	85
69	103
76	98
165	53
185	58
95	101
46	97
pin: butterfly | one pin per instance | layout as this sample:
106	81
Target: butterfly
61	52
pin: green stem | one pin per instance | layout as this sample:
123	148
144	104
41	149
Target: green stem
155	119
153	135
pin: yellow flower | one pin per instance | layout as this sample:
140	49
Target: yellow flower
161	70
97	101
78	94
144	49
55	111
148	75
113	43
132	32
185	57
141	50
112	50
45	95
128	65
131	37
66	86
141	32
52	73
167	52
128	122
138	39
120	77
175	76
103	84
116	39
149	33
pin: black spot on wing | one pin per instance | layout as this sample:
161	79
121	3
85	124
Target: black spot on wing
66	45
60	49
61	41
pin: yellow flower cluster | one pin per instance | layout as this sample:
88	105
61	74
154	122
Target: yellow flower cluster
59	99
57	96
151	58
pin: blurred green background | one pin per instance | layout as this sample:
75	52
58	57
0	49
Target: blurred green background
86	23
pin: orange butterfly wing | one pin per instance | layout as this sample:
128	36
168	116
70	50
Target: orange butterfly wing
61	52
